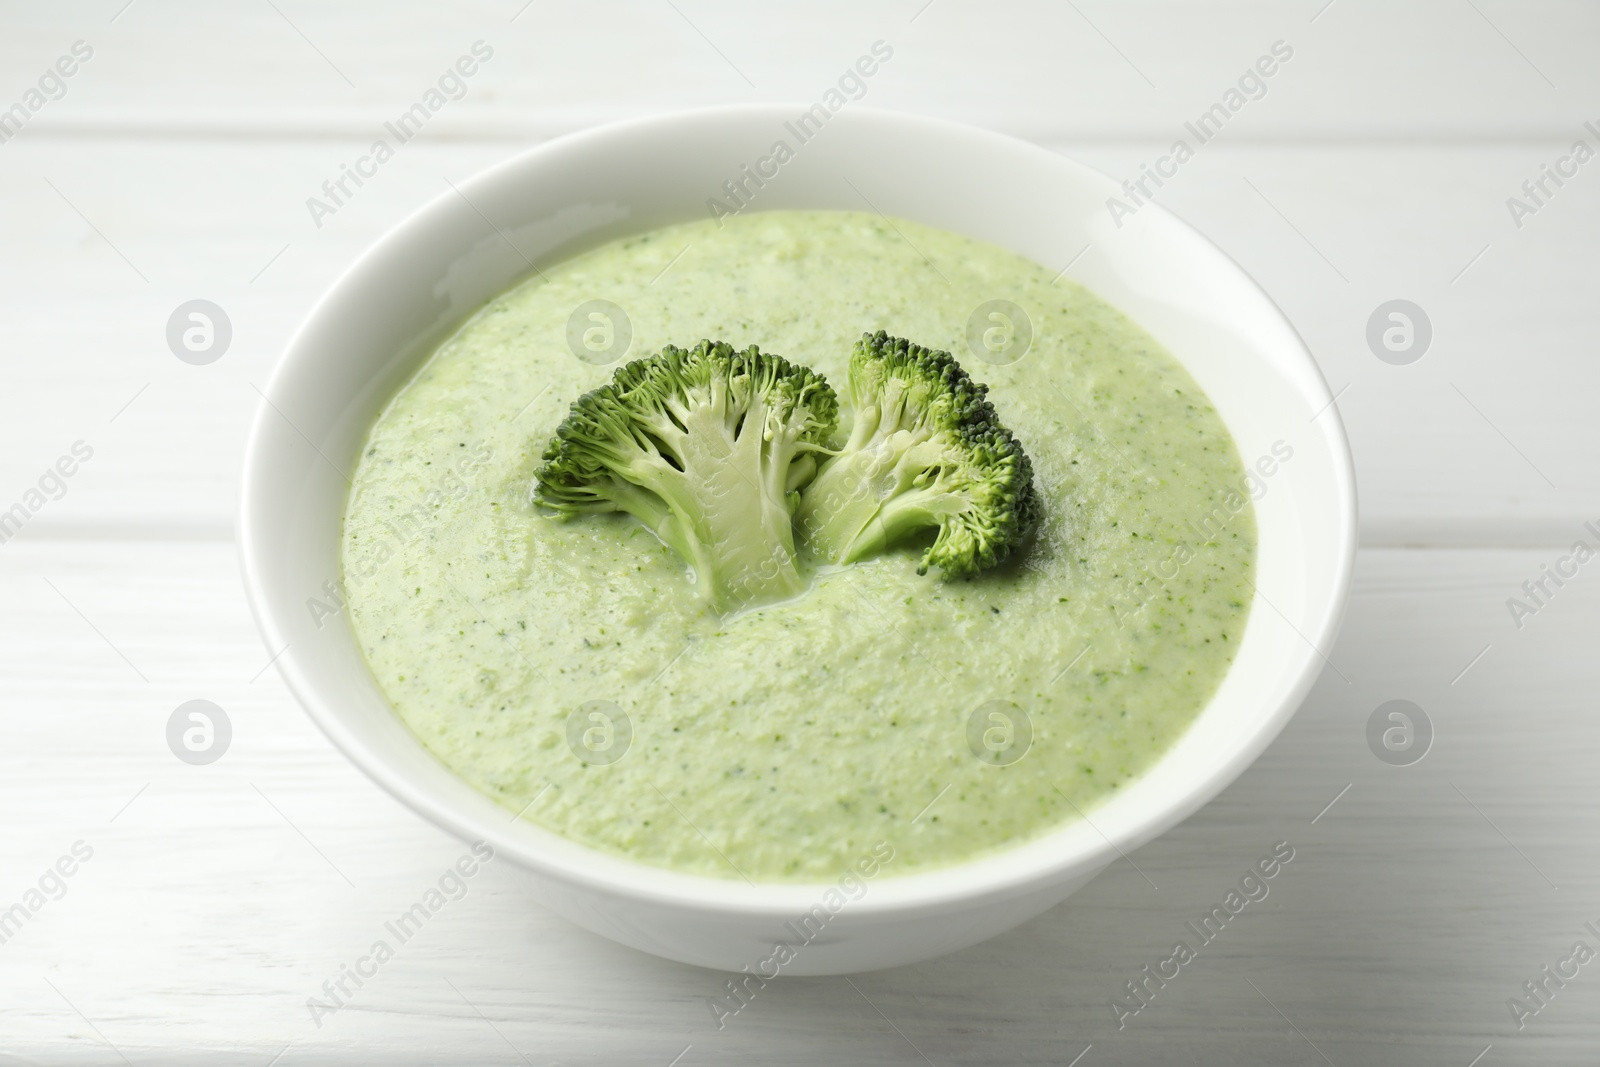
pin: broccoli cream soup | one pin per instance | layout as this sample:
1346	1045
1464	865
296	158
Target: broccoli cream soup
569	667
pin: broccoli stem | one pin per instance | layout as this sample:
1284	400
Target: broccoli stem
710	480
865	501
839	513
733	516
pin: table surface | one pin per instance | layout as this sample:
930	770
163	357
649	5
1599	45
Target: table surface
1377	165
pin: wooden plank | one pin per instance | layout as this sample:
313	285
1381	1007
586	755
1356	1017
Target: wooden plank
1361	68
216	901
1473	444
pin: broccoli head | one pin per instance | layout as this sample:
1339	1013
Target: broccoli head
707	447
926	451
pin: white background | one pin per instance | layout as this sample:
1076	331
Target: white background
219	898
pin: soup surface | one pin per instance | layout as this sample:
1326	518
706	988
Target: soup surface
568	669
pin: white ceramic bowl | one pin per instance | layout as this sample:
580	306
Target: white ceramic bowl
389	310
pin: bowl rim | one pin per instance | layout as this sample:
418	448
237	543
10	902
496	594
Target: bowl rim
939	889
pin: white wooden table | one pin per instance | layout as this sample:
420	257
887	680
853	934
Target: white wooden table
219	898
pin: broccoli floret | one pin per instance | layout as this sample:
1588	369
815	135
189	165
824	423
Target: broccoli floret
707	447
926	450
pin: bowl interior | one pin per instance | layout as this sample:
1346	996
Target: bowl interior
376	325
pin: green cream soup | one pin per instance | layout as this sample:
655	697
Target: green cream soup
568	669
